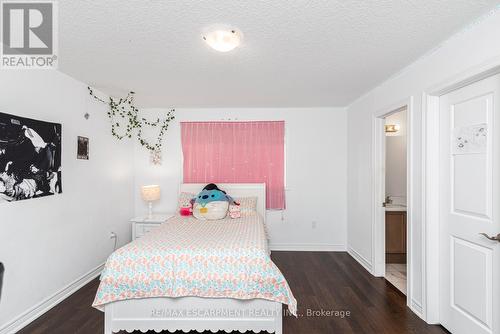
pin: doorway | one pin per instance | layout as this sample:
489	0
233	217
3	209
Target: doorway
399	205
395	203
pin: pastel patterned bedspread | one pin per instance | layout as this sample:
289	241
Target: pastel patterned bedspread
226	258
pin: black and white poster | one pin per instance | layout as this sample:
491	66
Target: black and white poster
82	149
30	158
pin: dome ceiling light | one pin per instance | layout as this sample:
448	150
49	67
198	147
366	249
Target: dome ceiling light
223	39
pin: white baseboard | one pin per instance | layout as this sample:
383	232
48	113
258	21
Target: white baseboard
416	307
45	305
308	247
361	259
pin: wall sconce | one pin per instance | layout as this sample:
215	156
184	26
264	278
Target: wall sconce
391	128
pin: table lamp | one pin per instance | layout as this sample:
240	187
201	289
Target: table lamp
150	194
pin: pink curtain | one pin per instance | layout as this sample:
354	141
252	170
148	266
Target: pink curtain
236	152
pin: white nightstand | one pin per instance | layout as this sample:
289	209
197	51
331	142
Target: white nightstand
142	225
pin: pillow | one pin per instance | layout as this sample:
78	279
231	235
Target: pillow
184	200
234	211
248	205
211	211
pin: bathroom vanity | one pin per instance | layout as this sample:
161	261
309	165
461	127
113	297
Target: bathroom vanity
395	234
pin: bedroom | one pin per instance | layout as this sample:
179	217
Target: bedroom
320	76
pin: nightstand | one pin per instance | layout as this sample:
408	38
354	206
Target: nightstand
142	225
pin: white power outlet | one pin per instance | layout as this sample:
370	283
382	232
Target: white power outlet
313	224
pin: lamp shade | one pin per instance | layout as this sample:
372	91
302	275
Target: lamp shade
150	193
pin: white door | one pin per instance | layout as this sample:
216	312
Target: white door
469	205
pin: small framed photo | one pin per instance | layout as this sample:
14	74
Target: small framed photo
83	148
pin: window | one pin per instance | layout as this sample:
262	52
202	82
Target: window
236	152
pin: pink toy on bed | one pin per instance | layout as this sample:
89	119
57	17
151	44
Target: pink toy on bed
186	210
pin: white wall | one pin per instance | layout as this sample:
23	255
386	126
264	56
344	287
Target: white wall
46	243
472	47
316	173
395	159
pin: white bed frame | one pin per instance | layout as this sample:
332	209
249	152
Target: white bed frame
196	313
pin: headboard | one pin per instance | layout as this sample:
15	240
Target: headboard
235	190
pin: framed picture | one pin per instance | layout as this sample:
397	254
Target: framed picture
83	148
30	158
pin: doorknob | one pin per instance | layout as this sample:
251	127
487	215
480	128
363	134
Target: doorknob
496	238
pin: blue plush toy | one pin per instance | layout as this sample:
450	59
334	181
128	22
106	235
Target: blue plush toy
212	193
211	203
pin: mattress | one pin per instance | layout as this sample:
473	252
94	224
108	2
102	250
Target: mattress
226	258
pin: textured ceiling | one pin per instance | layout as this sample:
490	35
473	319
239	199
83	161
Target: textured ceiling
294	53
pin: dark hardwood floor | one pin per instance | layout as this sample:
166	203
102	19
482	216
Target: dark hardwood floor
328	281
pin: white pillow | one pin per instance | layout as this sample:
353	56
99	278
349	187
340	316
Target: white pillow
248	205
211	211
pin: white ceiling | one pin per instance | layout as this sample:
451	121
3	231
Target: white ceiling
294	53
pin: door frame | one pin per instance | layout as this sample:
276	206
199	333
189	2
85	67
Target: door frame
430	181
378	177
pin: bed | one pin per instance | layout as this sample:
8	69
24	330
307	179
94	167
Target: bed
196	276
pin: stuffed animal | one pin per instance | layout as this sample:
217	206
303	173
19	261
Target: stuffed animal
235	210
186	210
211	203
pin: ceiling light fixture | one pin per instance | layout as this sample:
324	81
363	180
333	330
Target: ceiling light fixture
223	39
